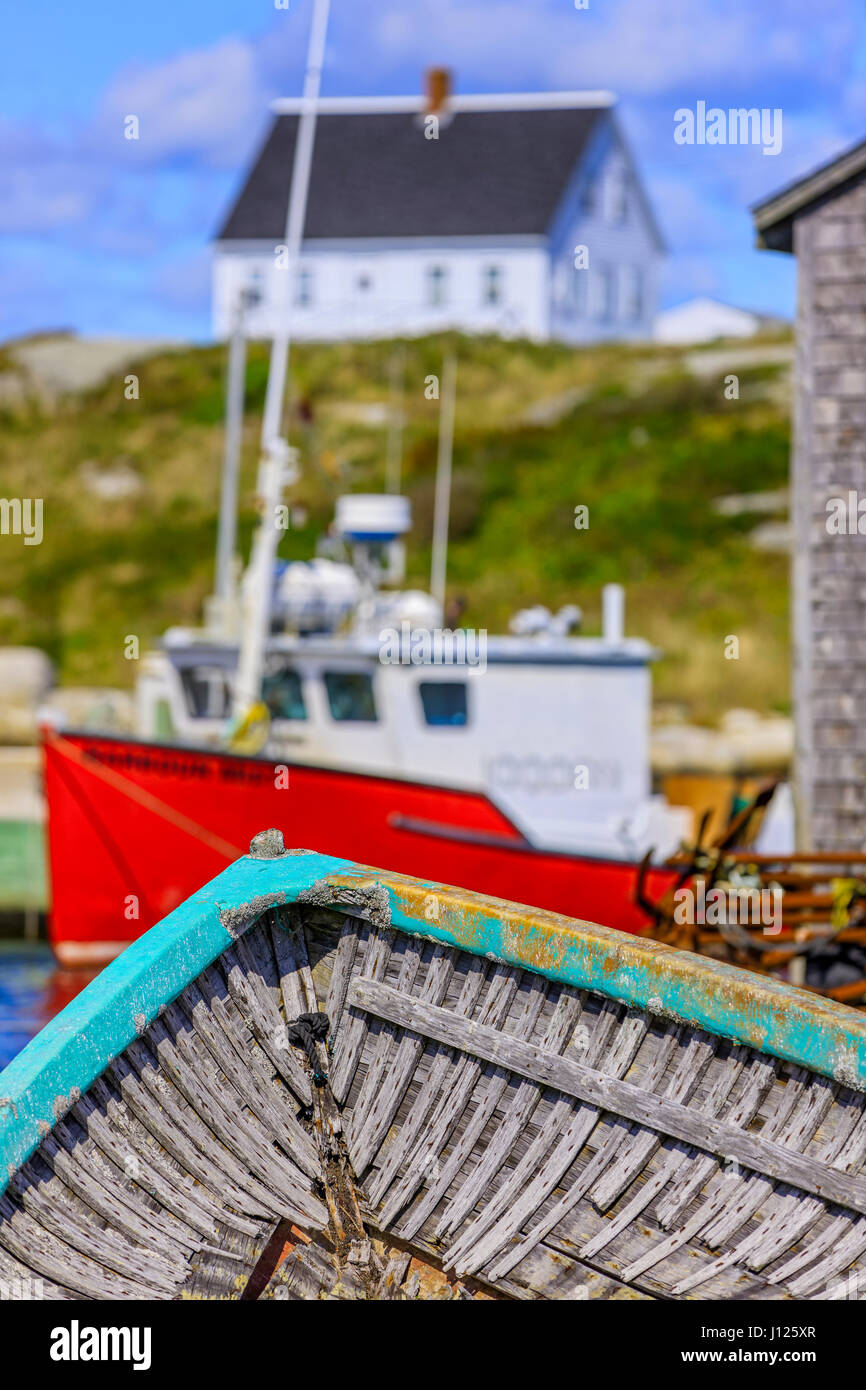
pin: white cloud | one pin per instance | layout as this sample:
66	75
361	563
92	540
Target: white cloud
641	49
649	50
29	204
202	104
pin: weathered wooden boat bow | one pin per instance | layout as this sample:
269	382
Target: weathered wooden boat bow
315	1079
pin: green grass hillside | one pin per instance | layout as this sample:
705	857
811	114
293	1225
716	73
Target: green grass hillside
644	437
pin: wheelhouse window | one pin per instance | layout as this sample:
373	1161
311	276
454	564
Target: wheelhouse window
206	691
437	285
350	696
444	703
491	284
283	694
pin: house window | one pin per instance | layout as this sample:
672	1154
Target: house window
304	287
602	288
632	293
253	292
282	693
444	703
491	284
616	195
577	291
437	284
350	696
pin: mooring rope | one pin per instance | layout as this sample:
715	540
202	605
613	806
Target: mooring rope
305	1032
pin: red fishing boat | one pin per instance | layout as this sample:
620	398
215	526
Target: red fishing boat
135	827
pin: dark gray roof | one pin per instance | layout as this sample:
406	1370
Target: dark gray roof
774	216
375	175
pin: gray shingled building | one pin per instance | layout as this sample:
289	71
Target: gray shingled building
822	220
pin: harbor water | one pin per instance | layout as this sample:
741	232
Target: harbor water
32	990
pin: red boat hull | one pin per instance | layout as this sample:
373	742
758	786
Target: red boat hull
134	828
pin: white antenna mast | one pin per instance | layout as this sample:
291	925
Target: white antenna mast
442	502
277	467
228	520
394	455
295	219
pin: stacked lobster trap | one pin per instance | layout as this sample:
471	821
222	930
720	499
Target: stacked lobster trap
800	917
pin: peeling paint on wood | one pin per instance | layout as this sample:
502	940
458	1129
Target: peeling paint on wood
499	1080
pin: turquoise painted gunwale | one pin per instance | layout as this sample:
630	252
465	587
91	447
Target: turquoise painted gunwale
76	1046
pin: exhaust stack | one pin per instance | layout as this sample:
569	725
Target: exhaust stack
613	612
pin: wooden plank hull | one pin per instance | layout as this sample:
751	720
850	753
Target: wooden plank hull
501	1104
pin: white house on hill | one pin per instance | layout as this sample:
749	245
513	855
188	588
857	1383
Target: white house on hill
702	320
514	214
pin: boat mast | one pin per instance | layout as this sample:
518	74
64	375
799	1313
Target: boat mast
277	466
394	455
442	503
228	521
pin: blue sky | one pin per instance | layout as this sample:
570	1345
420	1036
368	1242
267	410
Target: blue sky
105	235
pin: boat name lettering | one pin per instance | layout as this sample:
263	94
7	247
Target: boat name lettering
192	768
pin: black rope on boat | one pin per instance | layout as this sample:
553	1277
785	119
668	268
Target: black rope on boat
305	1032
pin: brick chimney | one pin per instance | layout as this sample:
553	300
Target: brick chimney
438	84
